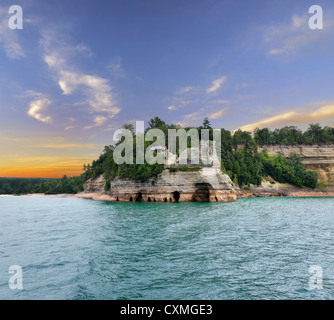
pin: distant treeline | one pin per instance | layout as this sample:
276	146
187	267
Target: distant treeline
239	153
36	185
291	135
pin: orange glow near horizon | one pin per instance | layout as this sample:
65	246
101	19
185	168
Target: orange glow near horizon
45	168
40	173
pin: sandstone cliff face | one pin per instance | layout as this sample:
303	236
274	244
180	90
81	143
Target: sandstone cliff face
207	184
319	159
95	185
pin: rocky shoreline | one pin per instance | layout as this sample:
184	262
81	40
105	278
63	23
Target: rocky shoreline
253	192
266	189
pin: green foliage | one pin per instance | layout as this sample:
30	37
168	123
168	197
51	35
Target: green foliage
48	186
156	122
288	170
107	185
291	135
246	166
186	168
206	123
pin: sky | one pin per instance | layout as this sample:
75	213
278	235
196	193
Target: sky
80	69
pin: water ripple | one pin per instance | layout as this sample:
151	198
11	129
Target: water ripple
253	249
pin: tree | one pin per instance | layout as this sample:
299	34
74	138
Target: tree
241	138
263	136
314	133
156	122
107	185
206	123
129	127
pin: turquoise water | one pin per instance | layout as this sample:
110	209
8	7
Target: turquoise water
259	248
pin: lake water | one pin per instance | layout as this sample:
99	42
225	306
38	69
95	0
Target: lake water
259	248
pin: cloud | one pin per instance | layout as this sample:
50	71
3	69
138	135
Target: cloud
276	52
221	101
185	90
9	37
291	117
216	84
217	115
191	118
290	37
98	121
171	108
69	146
96	89
69	128
37	107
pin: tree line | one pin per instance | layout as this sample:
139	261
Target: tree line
18	186
291	135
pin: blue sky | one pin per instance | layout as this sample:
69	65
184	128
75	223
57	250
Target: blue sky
80	69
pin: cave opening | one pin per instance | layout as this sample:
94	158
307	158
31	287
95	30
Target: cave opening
202	193
139	197
176	196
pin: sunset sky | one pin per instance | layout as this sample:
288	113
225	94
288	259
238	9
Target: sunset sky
80	69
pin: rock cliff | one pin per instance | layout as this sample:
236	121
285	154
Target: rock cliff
207	184
318	158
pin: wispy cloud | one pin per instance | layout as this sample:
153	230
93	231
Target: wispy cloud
38	106
9	37
98	121
96	89
69	146
216	84
221	101
184	90
292	117
217	115
191	118
290	37
171	108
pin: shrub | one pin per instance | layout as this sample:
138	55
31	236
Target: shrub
107	185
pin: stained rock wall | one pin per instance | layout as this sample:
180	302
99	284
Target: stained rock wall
207	184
